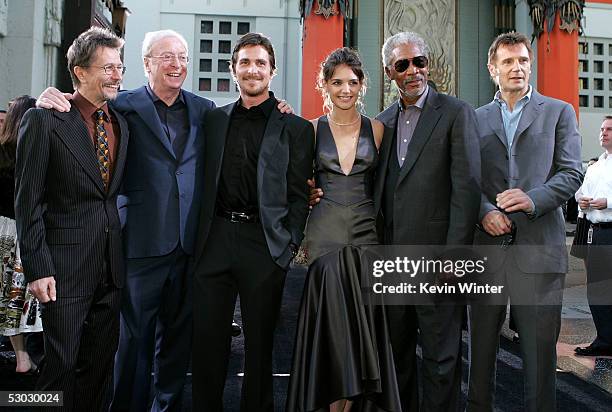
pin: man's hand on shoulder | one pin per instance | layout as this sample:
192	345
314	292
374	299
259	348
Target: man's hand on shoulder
284	107
43	289
495	223
51	98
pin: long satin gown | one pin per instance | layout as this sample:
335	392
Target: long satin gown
342	348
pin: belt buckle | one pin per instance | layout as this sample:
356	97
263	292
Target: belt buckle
238	217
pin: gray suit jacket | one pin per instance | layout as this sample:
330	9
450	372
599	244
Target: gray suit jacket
545	162
438	190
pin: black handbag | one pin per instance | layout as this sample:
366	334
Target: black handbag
579	245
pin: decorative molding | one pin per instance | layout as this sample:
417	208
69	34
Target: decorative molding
436	23
325	8
53	22
570	13
3	17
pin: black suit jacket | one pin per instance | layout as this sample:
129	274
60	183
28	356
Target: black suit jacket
284	165
437	196
67	224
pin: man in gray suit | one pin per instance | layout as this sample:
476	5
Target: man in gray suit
427	192
530	150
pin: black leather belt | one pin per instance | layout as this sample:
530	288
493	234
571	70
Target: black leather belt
238	217
602	225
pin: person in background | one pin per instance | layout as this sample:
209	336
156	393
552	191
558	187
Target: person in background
19	309
595	200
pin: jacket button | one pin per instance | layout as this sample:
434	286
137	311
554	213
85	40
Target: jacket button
106	229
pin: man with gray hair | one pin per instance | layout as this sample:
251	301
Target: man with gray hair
68	175
429	165
158	206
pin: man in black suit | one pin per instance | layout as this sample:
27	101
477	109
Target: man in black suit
254	208
427	192
68	172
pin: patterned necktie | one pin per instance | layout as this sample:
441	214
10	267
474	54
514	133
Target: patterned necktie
102	152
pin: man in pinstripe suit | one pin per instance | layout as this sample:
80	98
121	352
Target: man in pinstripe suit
68	172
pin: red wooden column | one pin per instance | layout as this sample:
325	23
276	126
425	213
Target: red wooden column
319	38
558	64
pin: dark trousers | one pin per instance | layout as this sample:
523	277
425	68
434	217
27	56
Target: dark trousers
439	328
599	284
235	262
81	335
536	304
156	334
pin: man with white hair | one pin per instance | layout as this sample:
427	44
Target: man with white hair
158	206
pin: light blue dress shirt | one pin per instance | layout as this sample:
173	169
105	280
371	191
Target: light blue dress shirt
512	118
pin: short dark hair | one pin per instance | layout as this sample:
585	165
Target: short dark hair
83	49
340	56
509	39
2	111
17	108
608	117
254	39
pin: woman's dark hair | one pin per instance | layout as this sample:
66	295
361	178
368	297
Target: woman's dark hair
16	110
338	57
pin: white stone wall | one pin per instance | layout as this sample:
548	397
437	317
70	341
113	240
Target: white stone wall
30	34
278	19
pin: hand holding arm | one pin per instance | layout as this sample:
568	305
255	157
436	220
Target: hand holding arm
514	200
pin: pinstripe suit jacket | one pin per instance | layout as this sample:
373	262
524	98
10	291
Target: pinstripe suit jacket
67	223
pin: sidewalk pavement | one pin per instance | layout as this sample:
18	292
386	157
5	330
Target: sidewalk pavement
577	329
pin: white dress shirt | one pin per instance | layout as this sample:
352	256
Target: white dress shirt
598	184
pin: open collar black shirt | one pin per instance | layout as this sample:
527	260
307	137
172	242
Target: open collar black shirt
174	120
238	180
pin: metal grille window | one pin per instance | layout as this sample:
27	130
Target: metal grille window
217	36
595	74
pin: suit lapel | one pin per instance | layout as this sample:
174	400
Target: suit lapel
496	123
530	113
73	133
270	140
389	119
143	105
422	133
120	156
218	143
194	120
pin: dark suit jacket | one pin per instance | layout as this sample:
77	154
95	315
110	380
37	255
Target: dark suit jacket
160	195
545	162
67	224
438	190
284	165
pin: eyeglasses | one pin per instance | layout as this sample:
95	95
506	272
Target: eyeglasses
402	65
110	68
171	57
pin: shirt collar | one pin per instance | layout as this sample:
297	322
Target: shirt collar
498	97
86	108
419	103
266	106
156	99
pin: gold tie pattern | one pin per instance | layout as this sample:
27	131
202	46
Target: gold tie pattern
102	152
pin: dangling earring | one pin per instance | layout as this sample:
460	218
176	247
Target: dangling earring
327	103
